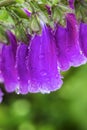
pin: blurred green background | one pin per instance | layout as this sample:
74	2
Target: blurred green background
65	109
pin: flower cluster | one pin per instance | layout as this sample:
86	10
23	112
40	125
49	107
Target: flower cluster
35	66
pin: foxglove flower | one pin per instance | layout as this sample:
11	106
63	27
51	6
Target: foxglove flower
83	37
67	41
8	63
42	63
74	52
21	63
61	43
1	77
1	95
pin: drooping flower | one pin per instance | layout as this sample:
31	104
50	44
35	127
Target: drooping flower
8	63
74	53
42	63
83	37
61	44
1	95
1	77
21	63
68	45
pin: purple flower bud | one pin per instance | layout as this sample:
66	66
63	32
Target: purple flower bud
8	63
1	95
71	3
83	38
42	63
28	13
21	62
48	9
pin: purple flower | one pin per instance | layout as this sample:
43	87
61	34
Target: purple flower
8	63
1	77
83	37
21	62
74	52
28	13
42	63
1	95
68	46
61	43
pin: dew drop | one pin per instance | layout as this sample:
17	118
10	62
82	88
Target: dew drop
18	78
17	91
81	52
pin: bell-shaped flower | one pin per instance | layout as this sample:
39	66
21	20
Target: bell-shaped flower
42	63
21	63
8	63
83	37
1	76
74	53
61	44
68	46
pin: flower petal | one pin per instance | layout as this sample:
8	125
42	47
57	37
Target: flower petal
68	46
61	44
83	38
74	52
22	52
42	63
8	64
1	76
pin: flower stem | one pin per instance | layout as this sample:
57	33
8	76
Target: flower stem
7	2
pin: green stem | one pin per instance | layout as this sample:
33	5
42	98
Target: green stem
7	2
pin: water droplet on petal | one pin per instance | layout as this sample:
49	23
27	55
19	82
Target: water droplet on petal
17	90
18	78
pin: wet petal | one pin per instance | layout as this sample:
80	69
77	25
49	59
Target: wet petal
42	63
1	95
22	52
8	64
83	38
